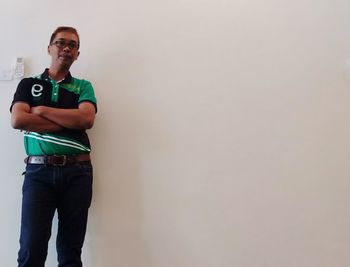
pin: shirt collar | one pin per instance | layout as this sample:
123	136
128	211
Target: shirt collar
45	76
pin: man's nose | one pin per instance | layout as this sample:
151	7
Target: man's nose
66	48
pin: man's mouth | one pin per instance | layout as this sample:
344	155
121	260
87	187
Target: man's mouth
65	56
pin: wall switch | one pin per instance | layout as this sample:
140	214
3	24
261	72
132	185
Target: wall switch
6	75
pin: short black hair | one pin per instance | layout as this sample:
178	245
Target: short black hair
64	29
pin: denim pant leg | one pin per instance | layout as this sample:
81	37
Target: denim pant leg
38	208
74	200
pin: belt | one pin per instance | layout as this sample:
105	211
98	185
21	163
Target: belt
57	160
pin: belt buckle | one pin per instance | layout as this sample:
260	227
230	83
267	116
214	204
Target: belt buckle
64	160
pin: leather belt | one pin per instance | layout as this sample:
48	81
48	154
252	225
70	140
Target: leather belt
57	160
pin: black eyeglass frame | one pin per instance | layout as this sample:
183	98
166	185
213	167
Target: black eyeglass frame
63	43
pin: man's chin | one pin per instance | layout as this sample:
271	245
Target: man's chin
66	61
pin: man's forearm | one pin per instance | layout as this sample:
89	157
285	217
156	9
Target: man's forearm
35	123
81	118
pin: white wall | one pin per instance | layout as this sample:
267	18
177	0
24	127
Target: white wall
222	137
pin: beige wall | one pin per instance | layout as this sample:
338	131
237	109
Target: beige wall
222	136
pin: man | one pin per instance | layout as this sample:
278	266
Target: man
53	110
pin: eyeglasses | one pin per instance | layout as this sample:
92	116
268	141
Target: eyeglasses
63	44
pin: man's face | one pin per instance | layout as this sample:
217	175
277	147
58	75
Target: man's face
64	49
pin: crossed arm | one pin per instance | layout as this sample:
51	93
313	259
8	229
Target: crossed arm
47	119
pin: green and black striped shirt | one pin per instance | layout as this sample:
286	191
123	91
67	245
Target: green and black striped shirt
68	94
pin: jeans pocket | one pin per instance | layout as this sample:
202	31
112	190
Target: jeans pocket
86	168
33	168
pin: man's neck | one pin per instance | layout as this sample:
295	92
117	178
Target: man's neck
58	74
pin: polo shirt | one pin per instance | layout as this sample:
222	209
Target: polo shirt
66	94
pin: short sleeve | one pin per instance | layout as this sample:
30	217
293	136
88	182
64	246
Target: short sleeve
22	93
87	93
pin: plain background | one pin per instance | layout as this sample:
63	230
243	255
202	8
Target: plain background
222	135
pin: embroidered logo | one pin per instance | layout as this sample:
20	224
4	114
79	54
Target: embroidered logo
37	90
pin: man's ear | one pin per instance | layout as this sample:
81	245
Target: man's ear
48	49
77	55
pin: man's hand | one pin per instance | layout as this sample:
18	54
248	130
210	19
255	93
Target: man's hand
37	110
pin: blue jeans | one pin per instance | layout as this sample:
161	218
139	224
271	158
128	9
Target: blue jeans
67	189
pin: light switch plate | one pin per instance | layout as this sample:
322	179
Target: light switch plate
6	75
